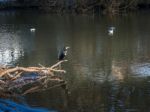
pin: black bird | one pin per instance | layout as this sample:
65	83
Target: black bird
63	53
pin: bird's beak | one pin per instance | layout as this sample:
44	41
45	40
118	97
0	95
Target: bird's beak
67	47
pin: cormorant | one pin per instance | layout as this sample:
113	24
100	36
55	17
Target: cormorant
63	53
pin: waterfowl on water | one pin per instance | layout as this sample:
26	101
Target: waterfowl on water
111	30
32	29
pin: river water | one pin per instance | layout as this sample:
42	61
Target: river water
105	73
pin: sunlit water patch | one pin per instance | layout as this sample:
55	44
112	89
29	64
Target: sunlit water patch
14	39
141	69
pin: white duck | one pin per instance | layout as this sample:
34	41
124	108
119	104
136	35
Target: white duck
32	29
111	31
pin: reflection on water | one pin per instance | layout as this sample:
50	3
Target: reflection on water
141	70
13	43
104	74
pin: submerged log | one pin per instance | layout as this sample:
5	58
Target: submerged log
31	79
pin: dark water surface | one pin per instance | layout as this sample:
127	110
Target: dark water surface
104	73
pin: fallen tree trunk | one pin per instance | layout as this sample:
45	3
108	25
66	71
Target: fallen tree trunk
31	79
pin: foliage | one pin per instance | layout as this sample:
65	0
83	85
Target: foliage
80	6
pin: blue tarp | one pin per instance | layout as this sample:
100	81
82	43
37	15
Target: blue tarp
10	106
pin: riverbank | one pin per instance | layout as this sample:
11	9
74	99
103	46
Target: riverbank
71	6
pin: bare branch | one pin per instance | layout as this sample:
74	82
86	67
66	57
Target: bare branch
15	78
58	63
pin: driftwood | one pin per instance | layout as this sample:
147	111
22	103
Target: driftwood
31	79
